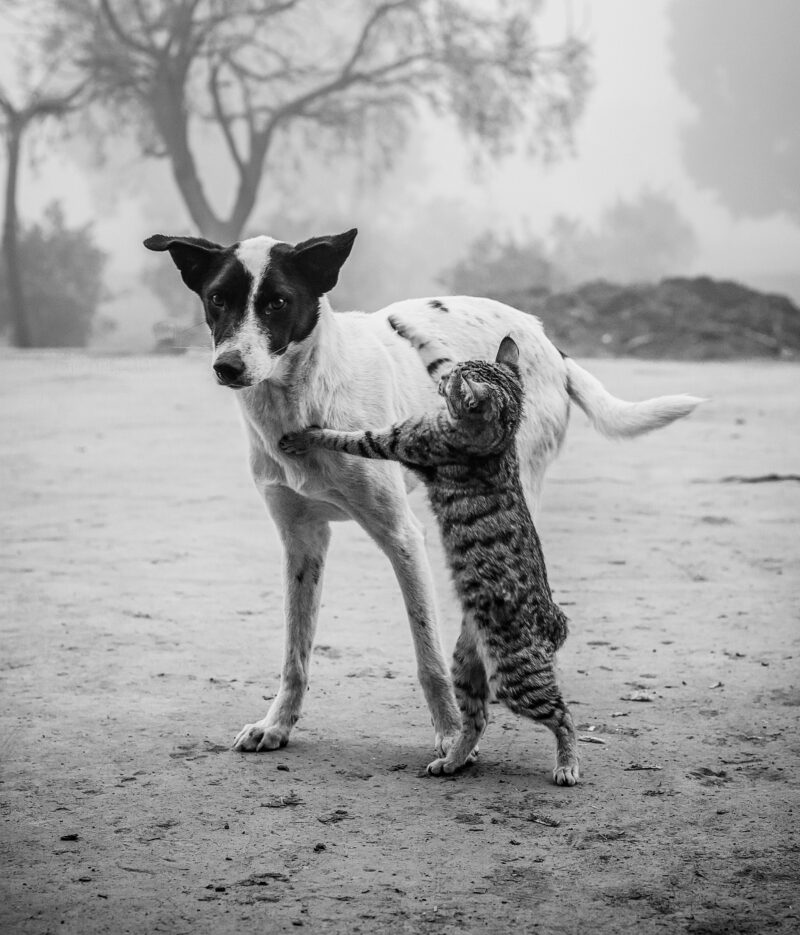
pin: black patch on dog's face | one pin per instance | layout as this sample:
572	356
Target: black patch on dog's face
282	283
210	270
228	283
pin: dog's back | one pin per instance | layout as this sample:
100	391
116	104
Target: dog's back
473	329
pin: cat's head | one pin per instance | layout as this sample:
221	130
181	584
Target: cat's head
477	391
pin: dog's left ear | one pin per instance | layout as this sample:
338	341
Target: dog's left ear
192	255
508	352
320	259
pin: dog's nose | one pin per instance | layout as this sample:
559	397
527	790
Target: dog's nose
229	368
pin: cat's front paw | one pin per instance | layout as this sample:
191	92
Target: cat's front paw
299	443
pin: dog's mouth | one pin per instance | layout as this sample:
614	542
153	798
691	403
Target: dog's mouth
232	384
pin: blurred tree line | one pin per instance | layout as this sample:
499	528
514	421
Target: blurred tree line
272	79
267	83
636	240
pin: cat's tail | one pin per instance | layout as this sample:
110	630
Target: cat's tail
616	418
434	354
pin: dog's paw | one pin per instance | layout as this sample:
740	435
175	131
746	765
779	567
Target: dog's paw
442	767
445	742
298	443
566	775
254	738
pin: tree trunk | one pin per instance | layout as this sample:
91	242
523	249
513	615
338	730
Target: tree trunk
172	123
22	335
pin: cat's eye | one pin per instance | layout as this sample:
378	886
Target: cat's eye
216	300
277	303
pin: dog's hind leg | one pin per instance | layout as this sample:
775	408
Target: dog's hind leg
399	534
305	539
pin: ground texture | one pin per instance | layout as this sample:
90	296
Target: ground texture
141	628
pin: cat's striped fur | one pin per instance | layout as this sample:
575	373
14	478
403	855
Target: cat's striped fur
466	454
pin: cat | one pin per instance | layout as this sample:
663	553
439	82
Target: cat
466	455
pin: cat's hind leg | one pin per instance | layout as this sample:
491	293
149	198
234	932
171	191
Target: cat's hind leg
566	772
531	691
472	693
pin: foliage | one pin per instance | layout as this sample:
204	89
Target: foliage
737	62
636	240
493	263
42	89
62	281
282	76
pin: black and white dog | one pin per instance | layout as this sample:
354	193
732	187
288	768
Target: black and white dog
296	363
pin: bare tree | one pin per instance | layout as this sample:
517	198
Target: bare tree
51	94
260	72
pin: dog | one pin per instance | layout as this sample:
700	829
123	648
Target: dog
294	363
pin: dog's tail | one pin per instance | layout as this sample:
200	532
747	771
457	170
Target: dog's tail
616	418
434	354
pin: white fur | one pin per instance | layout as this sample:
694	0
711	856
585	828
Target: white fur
253	254
354	372
614	417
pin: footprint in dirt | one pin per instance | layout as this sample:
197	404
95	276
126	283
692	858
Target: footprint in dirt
709	777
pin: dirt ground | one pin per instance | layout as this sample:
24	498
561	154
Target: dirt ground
141	628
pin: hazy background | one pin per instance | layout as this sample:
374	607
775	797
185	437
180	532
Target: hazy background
646	137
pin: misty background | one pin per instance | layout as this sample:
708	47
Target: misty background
565	157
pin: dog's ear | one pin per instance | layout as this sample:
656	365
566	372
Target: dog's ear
192	255
508	352
319	260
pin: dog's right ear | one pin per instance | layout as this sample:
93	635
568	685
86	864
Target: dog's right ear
192	255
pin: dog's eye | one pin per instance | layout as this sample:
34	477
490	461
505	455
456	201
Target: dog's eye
277	303
216	300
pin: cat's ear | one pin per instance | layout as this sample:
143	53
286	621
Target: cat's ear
508	352
475	393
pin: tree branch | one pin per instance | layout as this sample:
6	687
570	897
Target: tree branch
383	10
123	37
345	80
224	120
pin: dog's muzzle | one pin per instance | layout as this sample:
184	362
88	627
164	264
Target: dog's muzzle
229	368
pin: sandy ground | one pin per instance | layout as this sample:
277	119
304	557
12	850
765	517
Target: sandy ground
142	627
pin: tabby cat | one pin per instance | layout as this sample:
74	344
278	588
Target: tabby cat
466	455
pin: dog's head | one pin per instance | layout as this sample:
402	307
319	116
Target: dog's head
260	296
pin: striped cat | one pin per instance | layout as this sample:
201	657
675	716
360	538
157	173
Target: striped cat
466	455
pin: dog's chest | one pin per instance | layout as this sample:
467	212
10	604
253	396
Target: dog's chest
268	415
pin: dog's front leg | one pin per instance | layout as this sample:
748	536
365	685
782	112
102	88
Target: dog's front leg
305	540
